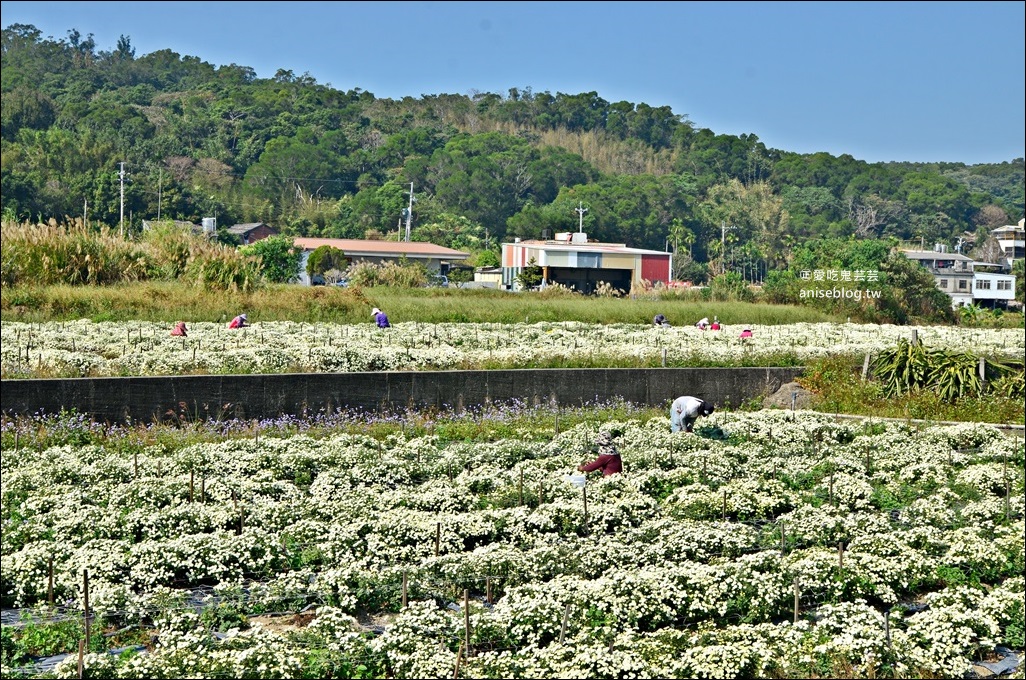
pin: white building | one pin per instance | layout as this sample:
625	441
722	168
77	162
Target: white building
570	259
991	287
966	281
1012	240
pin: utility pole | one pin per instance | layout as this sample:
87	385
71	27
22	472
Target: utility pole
85	212
160	183
723	243
580	210
409	214
122	176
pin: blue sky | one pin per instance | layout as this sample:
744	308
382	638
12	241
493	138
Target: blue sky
881	81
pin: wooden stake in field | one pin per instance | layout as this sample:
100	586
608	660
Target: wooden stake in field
466	620
584	495
797	600
887	627
85	600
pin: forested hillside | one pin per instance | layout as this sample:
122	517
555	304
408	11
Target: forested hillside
198	140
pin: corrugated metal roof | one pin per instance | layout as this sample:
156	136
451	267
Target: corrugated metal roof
356	247
245	228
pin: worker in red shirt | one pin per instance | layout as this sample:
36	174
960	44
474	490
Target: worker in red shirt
608	460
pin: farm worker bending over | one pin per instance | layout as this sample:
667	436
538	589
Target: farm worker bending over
684	411
703	323
660	320
238	322
380	318
608	456
180	329
746	333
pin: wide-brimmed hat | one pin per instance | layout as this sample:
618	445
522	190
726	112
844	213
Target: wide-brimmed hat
375	311
242	316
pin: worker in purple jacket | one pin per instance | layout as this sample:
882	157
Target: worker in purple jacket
380	318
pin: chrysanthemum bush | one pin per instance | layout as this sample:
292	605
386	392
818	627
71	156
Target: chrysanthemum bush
904	548
84	348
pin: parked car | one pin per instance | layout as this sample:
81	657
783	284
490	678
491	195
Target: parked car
438	281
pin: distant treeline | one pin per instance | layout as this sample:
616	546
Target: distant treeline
198	140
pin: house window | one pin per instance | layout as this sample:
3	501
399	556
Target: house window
943	283
1004	285
982	284
961	284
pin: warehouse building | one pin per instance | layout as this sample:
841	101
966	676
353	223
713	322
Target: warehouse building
571	260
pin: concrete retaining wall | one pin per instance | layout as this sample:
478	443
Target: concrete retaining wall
161	398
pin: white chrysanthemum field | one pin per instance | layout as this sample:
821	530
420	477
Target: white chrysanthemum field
766	544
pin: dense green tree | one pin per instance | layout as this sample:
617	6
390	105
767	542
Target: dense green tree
451	231
325	258
279	258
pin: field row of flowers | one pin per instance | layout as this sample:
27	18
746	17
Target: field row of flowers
904	549
84	348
